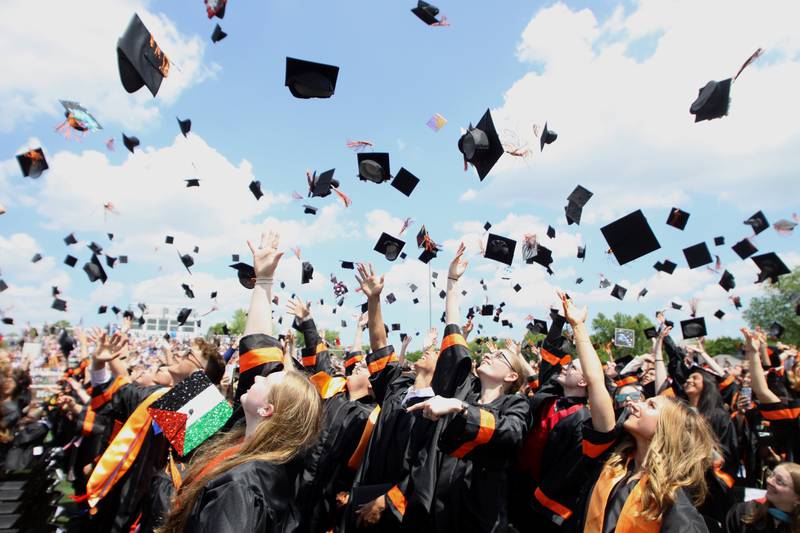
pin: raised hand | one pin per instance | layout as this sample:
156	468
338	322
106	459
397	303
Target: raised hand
109	348
371	285
752	342
573	315
466	329
299	309
430	338
363	320
266	256
457	266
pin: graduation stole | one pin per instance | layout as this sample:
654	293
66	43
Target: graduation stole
328	386
627	522
358	455
121	453
99	401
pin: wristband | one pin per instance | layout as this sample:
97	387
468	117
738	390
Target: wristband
452	279
264	281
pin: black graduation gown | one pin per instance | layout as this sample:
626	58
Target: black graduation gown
158	502
784	424
252	497
734	523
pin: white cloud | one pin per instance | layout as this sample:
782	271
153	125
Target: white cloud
72	56
468	195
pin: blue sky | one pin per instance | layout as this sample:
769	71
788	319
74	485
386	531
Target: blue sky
615	80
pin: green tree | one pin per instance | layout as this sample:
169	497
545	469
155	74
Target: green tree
62	324
604	327
236	325
723	345
217	329
779	304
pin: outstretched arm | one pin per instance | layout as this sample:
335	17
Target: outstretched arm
661	368
758	380
457	268
265	261
372	285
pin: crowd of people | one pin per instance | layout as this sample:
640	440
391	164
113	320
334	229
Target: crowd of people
513	436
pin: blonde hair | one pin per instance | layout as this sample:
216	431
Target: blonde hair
761	510
519	365
681	451
292	429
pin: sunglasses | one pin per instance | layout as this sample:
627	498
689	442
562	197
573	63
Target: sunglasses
634	396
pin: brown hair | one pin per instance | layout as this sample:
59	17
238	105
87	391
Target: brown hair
679	454
760	511
293	428
215	364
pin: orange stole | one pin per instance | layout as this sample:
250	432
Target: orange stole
259	356
328	386
484	435
627	522
122	451
358	455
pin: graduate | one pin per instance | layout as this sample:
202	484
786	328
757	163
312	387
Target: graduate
778	511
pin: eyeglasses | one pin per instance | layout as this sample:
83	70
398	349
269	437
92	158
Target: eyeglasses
501	356
634	396
778	481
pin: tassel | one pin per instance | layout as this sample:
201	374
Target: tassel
750	60
345	200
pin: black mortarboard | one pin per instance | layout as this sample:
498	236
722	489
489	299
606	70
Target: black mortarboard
578	281
487	226
481	145
389	246
581	252
115	309
32	163
187	290
758	222
8	321
426	256
95	248
102	310
517	287
123	259
70	260
618	292
213	294
374	166
651	333
140	59
744	248
235	257
413	287
630	237
537	326
36	257
676	306
719	241
693	328
727	281
216	8
697	255
217	35
487	310
771	267
580	196
364	307
70	239
185	125
110	261
309	209
348	265
321	184
307	79
426	12
677	218
197	249
130	142
187	261
308	272
255	188
403	255
415	300
183	316
55	291
110	236
500	248
642	293
3	285
169	239
395	327
544	257
573	213
391	298
59	304
192	182
548	137
94	269
776	330
712	101
405	181
551	232
246	274
665	266
719	313
442	294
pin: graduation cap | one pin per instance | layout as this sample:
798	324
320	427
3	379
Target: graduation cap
551	232
183	316
95	248
192	182
374	166
321	185
500	248
548	137
391	298
187	261
677	218
187	290
389	246
630	237
719	313
481	145
651	333
712	100
665	266
110	261
776	330
309	209
123	259
235	257
246	275
308	272
575	203
405	181
537	326
32	163
771	267
115	309
8	321
215	8
581	252
426	256
697	255
255	188
413	287
727	281
517	287
130	142
442	294
543	256
578	281
693	328
94	269
110	236
758	222
426	12
140	59
3	285
191	412
185	125
102	310
55	291
676	306
213	294
642	293
217	35
70	239
307	79
744	248
70	261
197	249
36	258
618	292
59	305
415	300
348	265
719	241
487	310
395	327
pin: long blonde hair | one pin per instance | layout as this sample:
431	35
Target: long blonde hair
681	451
293	428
